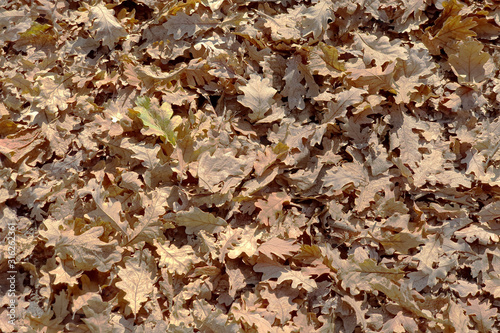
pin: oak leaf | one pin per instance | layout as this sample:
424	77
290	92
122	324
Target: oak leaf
349	173
176	260
257	96
53	95
137	281
157	120
400	324
471	64
454	29
221	171
212	318
375	78
245	243
478	232
107	211
380	49
105	25
281	303
407	141
316	18
182	24
344	99
489	212
492	284
148	228
459	320
271	207
18	145
294	89
356	306
280	247
324	60
196	220
87	250
269	268
482	314
298	278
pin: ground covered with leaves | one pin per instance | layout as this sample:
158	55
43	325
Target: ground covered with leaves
250	166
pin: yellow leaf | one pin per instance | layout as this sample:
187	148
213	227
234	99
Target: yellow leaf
454	29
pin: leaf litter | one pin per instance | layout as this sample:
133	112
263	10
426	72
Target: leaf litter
250	166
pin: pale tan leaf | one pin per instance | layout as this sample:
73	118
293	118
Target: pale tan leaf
87	250
344	99
149	226
220	167
270	268
349	173
298	278
195	220
182	24
478	232
407	141
246	243
105	25
492	284
482	314
294	89
400	324
108	211
454	29
489	212
280	247
316	18
271	208
176	260
281	303
380	49
375	78
356	306
458	319
53	94
471	64
258	96
137	281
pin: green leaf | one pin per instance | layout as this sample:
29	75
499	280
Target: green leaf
157	121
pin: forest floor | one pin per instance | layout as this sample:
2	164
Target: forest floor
250	166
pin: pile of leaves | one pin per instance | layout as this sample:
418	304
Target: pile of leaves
251	166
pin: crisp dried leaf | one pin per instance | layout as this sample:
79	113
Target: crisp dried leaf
257	96
482	314
279	247
87	250
107	28
454	29
217	171
471	64
182	24
53	95
271	208
298	278
349	173
176	260
381	49
137	281
196	220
